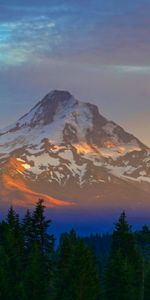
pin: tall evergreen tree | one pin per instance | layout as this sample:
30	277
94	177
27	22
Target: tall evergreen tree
37	277
11	262
64	268
87	277
39	248
124	270
78	276
40	227
27	228
5	282
143	240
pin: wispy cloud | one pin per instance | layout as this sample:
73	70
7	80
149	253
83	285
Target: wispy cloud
130	69
99	30
19	41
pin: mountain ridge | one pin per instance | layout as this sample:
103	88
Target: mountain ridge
63	144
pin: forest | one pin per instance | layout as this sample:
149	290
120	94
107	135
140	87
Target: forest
114	266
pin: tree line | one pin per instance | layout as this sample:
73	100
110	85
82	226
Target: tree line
32	268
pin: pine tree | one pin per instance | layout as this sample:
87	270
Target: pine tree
143	240
5	282
124	270
11	254
40	226
27	228
36	279
87	279
78	276
39	249
64	270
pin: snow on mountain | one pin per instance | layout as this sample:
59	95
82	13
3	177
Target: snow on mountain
63	145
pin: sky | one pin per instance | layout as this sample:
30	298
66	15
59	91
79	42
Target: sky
98	50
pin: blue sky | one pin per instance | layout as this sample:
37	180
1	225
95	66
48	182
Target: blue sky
99	50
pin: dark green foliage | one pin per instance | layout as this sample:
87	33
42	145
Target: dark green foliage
27	228
39	228
39	248
124	270
31	269
78	276
146	292
37	276
87	275
11	262
143	241
119	280
26	251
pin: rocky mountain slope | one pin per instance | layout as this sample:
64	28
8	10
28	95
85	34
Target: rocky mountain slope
65	151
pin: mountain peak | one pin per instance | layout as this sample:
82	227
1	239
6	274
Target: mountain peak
44	111
60	104
55	97
61	95
63	146
71	121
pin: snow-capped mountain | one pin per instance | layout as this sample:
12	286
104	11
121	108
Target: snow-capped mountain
65	149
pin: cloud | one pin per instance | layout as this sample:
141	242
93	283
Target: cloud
130	69
20	40
101	31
